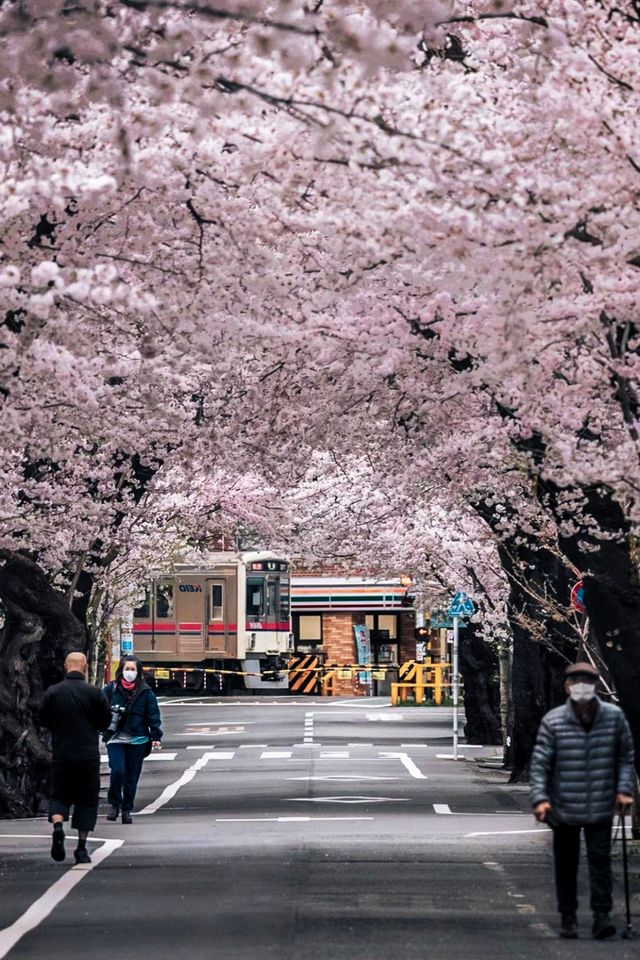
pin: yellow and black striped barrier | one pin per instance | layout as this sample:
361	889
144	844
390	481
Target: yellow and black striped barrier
304	674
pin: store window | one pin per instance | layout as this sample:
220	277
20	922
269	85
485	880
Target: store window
307	630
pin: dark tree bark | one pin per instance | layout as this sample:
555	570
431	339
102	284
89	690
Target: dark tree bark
38	631
612	597
479	669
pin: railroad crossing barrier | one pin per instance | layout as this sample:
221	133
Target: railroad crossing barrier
419	677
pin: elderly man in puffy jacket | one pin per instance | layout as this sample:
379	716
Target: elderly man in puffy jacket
582	772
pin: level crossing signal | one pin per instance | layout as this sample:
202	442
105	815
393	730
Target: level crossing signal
461	605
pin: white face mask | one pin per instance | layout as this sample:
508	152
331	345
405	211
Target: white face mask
582	692
129	675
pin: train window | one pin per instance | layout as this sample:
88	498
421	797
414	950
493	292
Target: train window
272	598
255	598
142	611
164	601
217	602
284	598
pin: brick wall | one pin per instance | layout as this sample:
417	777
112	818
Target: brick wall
339	645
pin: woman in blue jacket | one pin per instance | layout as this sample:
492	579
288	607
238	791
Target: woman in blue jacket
134	731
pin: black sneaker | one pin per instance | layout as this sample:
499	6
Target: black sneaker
57	844
569	926
113	813
603	926
82	856
126	817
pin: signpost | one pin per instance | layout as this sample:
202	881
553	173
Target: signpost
577	597
461	606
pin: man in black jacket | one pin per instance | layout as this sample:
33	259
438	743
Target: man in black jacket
75	712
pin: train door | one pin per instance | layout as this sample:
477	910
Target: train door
222	629
190	614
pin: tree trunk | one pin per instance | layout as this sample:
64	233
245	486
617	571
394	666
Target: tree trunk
38	631
612	598
479	669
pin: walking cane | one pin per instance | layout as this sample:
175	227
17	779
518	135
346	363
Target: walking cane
627	933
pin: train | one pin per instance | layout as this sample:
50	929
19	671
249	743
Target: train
220	627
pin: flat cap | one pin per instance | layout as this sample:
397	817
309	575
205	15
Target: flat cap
581	669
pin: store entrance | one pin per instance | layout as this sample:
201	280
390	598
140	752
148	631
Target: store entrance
384	630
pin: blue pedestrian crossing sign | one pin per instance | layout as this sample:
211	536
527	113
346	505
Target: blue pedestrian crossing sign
461	605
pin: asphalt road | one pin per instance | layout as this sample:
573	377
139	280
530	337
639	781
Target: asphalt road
299	829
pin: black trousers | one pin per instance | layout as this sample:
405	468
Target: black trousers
76	784
125	762
566	851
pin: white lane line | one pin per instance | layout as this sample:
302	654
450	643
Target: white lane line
213	733
441	808
49	900
415	746
169	792
221	723
347	799
344	779
408	764
448	756
154	757
249	746
339	755
360	743
500	833
284	819
276	755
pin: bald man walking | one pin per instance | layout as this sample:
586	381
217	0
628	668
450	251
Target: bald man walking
75	712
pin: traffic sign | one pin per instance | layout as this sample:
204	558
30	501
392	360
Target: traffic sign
577	597
461	605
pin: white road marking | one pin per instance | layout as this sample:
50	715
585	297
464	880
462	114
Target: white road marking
386	717
275	755
441	808
222	732
360	743
347	799
415	746
500	833
44	905
221	723
345	779
338	755
285	819
407	763
248	746
448	756
152	756
169	792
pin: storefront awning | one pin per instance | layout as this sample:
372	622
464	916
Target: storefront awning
315	594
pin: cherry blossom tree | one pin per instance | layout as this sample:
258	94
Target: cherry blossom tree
252	253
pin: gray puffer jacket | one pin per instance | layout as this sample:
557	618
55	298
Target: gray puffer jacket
580	771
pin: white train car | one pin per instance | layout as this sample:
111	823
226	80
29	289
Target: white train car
234	614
